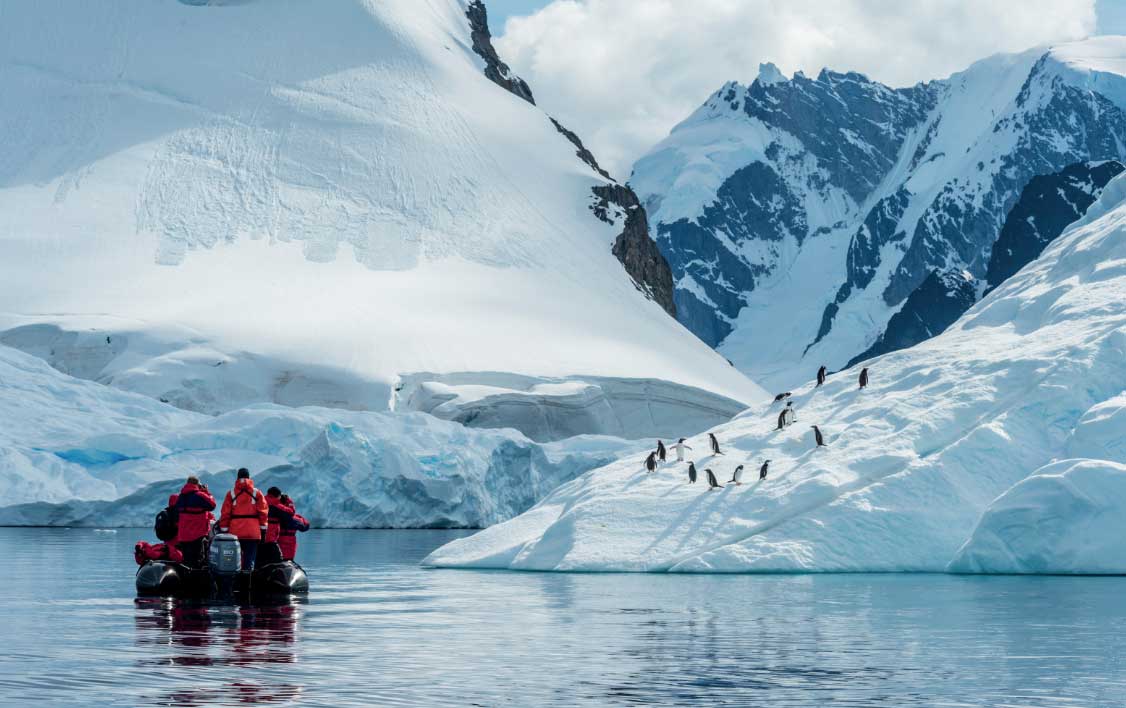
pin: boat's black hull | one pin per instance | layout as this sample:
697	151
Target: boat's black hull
158	578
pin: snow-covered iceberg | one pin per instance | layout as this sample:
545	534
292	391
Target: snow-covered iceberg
1032	374
75	452
558	408
1069	517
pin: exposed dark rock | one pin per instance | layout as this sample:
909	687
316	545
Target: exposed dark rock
633	247
585	155
495	69
932	307
1047	206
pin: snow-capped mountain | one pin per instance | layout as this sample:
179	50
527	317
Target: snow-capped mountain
996	446
799	214
223	203
1047	205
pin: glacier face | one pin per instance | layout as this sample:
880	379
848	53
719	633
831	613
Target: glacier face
799	214
1010	421
76	452
312	200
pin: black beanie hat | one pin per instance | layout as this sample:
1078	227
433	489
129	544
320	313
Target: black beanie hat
243	473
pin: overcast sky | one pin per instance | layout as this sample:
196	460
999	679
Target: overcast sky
622	73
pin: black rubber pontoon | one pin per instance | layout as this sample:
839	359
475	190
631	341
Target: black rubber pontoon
161	578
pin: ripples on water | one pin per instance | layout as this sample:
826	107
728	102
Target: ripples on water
378	630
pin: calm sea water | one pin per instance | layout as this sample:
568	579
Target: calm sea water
378	630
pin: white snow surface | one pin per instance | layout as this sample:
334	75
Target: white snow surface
319	196
75	452
554	409
941	443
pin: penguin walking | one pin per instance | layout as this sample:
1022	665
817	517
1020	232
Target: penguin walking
737	476
821	376
692	473
781	396
713	483
651	462
818	436
680	448
714	444
787	416
762	470
864	377
661	451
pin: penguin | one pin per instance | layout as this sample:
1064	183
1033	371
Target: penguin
762	470
713	483
715	444
782	419
781	396
661	451
680	448
692	473
790	413
820	377
817	436
651	462
864	377
737	476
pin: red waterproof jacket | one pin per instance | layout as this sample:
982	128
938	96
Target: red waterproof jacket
279	516
245	511
194	507
144	552
287	539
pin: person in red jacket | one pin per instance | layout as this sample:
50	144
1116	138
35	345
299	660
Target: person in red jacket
287	538
279	515
193	507
245	513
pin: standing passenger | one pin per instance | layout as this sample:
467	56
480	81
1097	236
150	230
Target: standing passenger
193	508
245	514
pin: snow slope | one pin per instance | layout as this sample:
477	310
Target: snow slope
323	196
75	452
798	214
1033	374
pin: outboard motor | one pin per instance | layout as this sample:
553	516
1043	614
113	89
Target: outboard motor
225	560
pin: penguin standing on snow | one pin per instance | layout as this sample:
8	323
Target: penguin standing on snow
714	444
782	419
651	462
780	396
680	448
737	476
762	470
817	436
661	451
713	483
864	377
821	376
692	473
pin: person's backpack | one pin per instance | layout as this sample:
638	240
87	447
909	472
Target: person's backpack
167	523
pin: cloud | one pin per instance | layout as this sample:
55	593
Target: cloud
622	73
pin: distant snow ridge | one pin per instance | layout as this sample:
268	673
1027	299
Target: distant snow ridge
771	192
997	446
330	197
75	452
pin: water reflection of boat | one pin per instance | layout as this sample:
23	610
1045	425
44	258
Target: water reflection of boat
160	578
194	633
